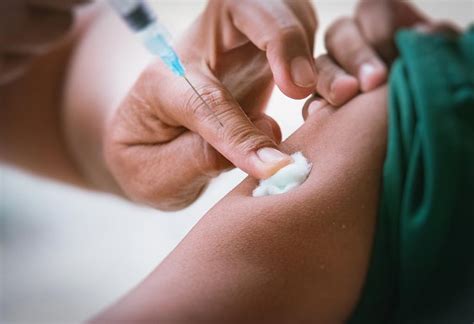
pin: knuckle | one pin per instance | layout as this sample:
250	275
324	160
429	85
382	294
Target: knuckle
131	172
165	194
334	31
135	172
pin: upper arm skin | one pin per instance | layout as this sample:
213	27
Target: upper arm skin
31	109
299	256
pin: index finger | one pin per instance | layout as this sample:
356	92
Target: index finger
286	33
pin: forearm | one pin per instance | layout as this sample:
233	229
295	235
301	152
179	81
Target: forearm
301	255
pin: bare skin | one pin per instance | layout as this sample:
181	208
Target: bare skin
128	146
116	141
299	256
32	73
361	48
293	257
79	125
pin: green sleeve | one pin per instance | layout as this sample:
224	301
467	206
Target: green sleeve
422	266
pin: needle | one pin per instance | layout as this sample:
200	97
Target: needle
202	99
140	17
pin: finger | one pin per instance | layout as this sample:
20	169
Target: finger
376	20
306	14
188	156
334	84
230	131
317	109
380	19
313	104
151	156
274	28
220	120
349	49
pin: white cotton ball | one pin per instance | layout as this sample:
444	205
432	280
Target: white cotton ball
287	178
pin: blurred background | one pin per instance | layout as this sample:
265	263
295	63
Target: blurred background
66	253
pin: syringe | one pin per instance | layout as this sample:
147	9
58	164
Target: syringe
141	19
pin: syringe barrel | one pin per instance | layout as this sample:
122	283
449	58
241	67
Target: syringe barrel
141	19
157	43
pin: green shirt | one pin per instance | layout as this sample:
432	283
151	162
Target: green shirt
422	267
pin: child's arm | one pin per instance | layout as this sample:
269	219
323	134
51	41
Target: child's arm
302	255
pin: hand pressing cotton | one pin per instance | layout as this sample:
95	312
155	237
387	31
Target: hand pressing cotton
287	178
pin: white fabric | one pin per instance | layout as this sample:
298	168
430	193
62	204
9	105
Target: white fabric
287	178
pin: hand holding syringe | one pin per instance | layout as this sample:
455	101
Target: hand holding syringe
162	144
141	19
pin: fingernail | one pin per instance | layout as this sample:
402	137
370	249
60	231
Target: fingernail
366	72
272	160
302	72
272	156
315	105
342	88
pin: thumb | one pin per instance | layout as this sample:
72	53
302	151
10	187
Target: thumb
218	118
